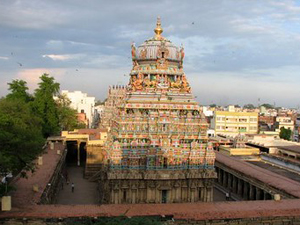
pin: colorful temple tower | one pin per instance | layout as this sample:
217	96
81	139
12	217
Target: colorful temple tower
157	149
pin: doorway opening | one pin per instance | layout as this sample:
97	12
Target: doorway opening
164	196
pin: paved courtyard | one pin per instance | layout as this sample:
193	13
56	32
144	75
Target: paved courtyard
85	192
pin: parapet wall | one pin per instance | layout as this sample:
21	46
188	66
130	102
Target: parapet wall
55	183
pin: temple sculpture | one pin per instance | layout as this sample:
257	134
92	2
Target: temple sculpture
157	149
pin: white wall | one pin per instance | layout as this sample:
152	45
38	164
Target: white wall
80	101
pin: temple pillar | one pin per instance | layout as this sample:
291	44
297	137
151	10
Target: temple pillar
192	193
229	181
240	186
133	195
225	179
219	175
258	193
246	191
202	194
251	192
234	184
209	195
78	153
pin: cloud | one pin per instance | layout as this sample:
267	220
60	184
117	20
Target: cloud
32	76
63	57
86	45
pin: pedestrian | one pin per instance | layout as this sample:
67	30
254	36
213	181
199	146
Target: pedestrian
73	186
227	196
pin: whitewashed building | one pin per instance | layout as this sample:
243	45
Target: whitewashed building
82	103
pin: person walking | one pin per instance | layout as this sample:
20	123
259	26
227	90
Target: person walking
73	186
227	196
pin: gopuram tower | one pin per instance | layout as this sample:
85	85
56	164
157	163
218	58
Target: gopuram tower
157	150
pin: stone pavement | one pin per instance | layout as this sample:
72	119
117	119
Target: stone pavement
24	194
85	192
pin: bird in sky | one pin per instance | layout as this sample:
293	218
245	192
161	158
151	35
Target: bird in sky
193	23
20	64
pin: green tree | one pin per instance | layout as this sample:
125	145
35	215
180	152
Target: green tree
21	137
44	105
268	106
249	106
67	116
19	90
285	133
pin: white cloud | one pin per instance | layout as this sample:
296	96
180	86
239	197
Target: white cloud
4	58
31	76
63	57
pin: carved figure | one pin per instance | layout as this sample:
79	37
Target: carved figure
162	63
176	84
185	85
150	84
143	53
182	52
133	50
136	65
137	84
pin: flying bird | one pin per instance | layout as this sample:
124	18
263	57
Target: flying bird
20	64
193	23
76	69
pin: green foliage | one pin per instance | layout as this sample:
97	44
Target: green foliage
249	106
18	90
20	136
285	133
268	106
99	102
5	189
67	116
25	120
45	107
213	105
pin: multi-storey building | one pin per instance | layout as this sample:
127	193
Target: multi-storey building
82	103
284	121
225	122
266	123
157	148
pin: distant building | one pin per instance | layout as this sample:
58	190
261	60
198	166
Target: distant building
81	118
82	103
235	122
266	123
284	121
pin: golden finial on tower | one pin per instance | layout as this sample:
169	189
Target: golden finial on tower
158	30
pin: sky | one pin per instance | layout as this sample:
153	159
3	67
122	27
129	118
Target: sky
236	51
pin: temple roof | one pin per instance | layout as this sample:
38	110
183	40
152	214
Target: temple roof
158	47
